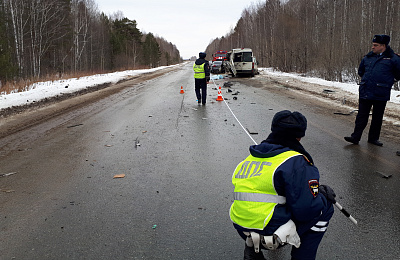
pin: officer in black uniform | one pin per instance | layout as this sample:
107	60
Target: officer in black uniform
201	69
378	69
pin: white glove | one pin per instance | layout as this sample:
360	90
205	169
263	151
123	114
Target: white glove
287	234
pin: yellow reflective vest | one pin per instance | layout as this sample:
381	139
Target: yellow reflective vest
255	196
199	72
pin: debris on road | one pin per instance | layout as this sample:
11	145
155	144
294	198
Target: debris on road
137	142
7	174
117	176
387	176
227	84
345	114
7	190
74	125
216	77
252	132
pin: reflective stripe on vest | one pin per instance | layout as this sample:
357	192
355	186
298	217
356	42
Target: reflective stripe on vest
199	71
259	197
255	194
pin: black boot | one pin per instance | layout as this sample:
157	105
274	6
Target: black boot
375	142
250	254
351	139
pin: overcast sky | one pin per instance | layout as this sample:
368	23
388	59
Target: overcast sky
189	25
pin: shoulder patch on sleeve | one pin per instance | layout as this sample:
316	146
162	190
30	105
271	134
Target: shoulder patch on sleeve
314	187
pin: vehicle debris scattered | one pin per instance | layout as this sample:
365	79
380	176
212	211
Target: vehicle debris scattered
346	114
137	142
7	174
384	175
74	125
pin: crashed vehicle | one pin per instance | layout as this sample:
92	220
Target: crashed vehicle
242	62
217	67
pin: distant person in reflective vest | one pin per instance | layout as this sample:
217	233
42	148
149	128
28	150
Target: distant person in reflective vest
277	196
378	71
201	70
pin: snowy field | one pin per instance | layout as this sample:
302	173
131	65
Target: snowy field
49	89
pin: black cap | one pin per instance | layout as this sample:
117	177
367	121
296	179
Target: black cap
290	124
202	55
381	38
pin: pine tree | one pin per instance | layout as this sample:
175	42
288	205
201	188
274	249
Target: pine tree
151	51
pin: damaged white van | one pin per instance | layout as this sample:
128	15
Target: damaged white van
242	62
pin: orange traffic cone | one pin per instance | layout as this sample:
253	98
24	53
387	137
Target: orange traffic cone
219	98
182	90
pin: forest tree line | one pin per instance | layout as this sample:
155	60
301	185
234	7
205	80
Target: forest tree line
39	38
324	38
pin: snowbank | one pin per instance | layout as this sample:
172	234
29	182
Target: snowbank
42	90
349	87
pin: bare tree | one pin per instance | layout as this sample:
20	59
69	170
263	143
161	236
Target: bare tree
45	27
19	21
81	18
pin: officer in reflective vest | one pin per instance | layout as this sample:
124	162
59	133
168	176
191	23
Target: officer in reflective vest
277	197
201	70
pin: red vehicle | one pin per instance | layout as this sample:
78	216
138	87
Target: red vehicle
219	56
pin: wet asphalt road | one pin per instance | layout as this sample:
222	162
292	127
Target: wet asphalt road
178	157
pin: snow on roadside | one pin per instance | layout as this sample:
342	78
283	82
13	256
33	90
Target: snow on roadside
42	90
349	87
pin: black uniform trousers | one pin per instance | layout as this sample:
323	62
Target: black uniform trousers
200	87
364	108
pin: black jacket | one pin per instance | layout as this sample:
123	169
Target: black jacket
378	73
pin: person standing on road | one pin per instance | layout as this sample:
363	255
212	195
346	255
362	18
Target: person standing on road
378	71
277	196
201	69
